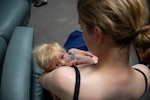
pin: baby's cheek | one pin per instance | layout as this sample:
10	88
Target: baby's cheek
68	64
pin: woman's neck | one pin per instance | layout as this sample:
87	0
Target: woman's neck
114	57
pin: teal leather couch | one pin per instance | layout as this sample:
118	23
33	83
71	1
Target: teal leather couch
17	65
16	43
18	72
13	13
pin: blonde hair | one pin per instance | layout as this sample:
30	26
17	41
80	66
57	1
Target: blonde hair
45	55
122	19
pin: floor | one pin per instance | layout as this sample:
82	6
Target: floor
53	22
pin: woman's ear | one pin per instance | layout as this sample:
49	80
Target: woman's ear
98	34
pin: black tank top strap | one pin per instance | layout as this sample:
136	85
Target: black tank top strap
145	78
77	84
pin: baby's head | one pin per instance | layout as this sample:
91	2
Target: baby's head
45	55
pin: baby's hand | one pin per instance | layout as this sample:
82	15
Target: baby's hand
81	52
79	59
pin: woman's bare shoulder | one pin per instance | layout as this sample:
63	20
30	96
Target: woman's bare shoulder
141	67
144	69
63	73
61	81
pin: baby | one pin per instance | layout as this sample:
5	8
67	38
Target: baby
51	56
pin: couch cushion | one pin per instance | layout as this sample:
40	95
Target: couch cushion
3	47
38	93
16	73
13	13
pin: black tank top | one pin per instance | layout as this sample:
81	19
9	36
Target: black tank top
77	84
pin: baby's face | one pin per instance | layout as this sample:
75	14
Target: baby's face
62	59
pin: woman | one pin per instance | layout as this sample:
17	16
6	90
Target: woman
109	27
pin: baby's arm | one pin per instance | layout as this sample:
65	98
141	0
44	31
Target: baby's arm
80	59
83	57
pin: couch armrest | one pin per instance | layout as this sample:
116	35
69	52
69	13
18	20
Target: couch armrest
16	73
